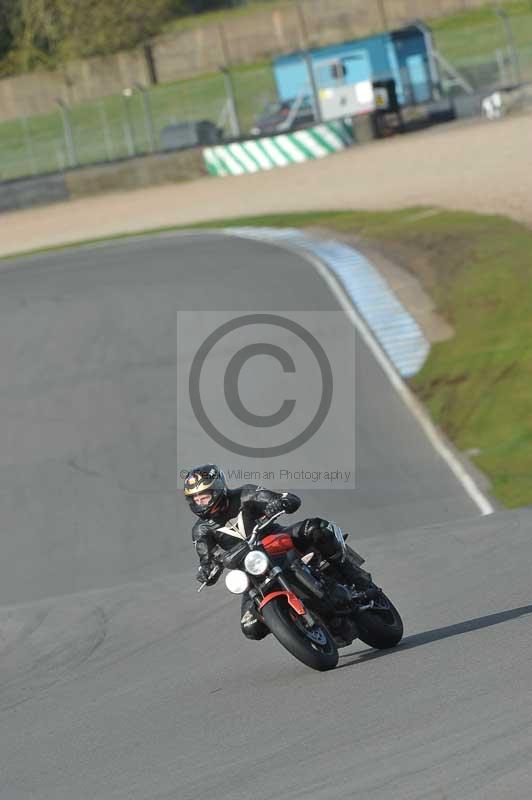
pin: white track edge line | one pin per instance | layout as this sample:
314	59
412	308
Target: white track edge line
399	385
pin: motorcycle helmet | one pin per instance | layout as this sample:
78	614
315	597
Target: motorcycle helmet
205	490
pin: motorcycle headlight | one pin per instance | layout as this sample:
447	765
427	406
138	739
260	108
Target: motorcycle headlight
256	562
237	581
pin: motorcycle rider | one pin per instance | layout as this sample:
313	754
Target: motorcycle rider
216	505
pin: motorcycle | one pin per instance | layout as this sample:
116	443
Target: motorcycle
299	598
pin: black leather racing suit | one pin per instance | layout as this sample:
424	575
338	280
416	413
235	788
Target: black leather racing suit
254	502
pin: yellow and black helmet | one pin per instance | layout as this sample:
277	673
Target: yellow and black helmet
209	483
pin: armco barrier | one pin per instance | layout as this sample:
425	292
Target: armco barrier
280	150
27	192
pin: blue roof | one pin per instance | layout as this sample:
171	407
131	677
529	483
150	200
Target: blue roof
332	49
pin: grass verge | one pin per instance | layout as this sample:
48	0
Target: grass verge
478	269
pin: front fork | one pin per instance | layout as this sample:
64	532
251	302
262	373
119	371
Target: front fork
294	602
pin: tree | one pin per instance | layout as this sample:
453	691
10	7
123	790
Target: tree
96	27
9	13
46	32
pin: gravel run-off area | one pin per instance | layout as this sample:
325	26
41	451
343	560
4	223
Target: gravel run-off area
476	165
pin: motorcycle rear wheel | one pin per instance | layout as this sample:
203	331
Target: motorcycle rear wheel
381	627
314	646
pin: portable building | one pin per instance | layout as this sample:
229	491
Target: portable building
404	55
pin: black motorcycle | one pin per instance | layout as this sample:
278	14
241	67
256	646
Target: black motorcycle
301	600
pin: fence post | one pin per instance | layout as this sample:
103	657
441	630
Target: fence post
224	46
231	103
59	156
514	57
69	136
313	86
128	124
106	132
499	55
303	27
29	144
148	116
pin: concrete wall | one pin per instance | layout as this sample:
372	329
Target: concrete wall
136	173
76	82
27	192
195	51
132	174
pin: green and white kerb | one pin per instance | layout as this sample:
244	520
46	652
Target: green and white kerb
278	151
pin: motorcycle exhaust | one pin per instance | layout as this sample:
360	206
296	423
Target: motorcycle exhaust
307	580
335	599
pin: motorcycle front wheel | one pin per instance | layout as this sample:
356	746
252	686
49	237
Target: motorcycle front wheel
312	645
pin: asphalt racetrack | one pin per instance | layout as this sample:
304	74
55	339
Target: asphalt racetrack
118	681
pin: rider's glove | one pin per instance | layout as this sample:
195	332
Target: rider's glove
203	573
286	502
274	507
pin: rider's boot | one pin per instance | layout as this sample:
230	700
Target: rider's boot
350	573
355	576
323	536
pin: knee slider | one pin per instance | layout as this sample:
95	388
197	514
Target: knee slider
253	628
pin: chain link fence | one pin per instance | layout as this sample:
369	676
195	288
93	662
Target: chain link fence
495	52
139	121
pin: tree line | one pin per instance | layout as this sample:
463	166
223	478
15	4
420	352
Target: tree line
45	33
